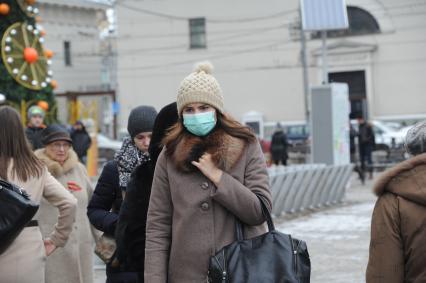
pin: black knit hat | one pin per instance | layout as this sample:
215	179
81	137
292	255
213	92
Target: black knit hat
141	119
55	132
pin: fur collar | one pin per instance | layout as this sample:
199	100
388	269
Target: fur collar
393	173
226	150
56	169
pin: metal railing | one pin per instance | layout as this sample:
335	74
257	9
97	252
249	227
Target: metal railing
301	187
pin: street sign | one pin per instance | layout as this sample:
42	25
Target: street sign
319	15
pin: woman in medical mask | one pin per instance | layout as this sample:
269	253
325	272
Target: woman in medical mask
211	172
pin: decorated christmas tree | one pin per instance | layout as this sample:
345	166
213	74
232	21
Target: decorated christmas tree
25	78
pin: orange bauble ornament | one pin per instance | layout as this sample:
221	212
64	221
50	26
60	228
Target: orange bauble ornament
48	53
30	55
54	84
43	32
4	9
43	105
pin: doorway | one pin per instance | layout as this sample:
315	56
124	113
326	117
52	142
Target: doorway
357	91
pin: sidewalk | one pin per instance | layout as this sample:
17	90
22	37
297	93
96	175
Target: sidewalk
338	238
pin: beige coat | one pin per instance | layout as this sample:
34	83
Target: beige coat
190	219
73	263
24	261
398	227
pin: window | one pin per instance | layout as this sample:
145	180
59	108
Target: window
360	22
67	53
197	31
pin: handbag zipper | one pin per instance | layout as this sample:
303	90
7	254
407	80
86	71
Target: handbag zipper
224	274
295	256
223	267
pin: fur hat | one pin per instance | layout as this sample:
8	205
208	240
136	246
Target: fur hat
141	119
200	87
55	132
35	110
166	118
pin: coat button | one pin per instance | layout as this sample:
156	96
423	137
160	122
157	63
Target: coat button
205	186
204	206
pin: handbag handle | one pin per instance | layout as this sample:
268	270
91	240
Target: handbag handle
239	231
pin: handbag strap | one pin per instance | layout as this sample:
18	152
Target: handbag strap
239	231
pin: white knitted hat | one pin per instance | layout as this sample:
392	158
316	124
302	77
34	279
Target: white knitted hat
200	87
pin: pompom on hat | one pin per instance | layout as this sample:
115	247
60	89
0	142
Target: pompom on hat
200	87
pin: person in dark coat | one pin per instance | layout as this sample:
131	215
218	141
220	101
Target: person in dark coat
81	140
35	126
367	143
279	146
353	134
130	231
104	207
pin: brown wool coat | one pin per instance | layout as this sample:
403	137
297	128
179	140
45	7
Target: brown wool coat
190	219
398	227
73	263
24	261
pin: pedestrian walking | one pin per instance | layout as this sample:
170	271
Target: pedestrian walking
367	143
35	126
130	231
398	230
104	207
81	140
209	174
279	146
73	263
353	134
24	261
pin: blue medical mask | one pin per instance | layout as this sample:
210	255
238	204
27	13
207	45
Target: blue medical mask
199	124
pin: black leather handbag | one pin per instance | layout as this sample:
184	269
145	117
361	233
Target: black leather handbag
16	210
273	257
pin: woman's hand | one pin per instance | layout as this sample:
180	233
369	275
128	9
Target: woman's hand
206	165
49	246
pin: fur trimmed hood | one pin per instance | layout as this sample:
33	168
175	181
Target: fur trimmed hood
407	179
226	150
56	169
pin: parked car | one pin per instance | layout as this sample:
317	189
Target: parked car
107	147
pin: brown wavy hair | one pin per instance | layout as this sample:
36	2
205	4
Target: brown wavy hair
15	146
224	122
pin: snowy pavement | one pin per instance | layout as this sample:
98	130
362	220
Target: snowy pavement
337	237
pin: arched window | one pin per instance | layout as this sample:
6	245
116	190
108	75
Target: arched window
360	22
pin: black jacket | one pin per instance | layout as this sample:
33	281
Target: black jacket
34	137
130	232
106	201
81	142
279	145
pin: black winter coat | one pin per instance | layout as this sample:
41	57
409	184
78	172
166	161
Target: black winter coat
130	232
81	142
34	137
103	212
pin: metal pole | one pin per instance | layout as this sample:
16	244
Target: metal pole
305	74
324	57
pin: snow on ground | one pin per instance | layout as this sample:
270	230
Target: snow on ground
337	240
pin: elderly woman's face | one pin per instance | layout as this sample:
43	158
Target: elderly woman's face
58	150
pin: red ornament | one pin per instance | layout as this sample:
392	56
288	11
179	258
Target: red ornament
4	9
30	55
30	2
43	105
